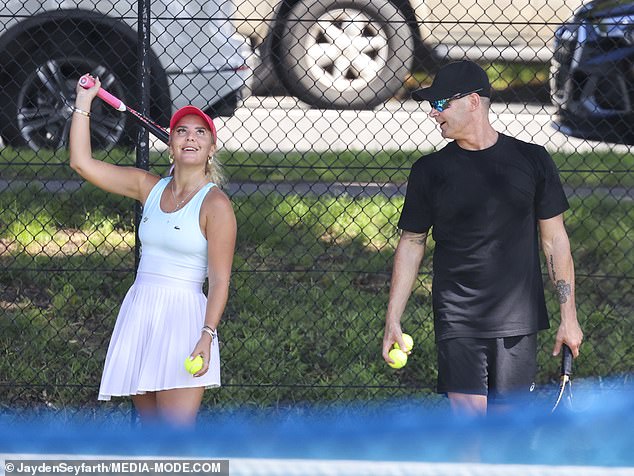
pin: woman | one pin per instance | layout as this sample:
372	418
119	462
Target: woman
188	230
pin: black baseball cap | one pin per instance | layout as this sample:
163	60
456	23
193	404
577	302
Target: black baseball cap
459	77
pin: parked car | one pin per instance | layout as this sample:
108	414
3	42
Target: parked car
592	73
350	54
45	47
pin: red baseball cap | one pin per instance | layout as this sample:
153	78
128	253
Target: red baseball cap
186	111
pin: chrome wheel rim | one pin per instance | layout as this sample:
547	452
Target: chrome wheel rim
345	49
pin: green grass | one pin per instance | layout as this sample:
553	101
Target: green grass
349	166
510	75
305	315
607	169
51	165
501	75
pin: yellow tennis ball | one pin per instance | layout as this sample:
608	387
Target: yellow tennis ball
399	357
409	343
194	365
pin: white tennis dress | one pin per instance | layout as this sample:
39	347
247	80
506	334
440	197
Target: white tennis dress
162	315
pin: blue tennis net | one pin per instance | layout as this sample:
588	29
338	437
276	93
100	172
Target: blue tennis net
395	437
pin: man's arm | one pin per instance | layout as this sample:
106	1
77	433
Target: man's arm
407	259
561	270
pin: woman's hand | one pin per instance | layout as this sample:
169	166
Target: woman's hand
203	348
84	97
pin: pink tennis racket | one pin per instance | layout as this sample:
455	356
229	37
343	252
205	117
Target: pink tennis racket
160	132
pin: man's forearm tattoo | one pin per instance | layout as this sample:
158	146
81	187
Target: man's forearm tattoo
552	268
418	238
563	290
562	287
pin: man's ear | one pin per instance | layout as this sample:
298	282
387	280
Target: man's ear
475	101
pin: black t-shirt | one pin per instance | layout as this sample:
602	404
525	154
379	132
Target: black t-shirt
483	208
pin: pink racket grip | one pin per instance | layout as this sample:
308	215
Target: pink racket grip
87	82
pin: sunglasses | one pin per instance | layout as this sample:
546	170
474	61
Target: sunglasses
441	104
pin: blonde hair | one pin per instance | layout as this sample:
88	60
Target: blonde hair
214	171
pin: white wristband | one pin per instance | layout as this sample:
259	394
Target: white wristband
210	331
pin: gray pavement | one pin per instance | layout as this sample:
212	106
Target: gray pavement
351	189
284	124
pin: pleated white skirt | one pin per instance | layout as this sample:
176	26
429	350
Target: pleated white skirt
159	324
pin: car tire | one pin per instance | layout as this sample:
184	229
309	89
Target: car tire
226	106
40	92
378	52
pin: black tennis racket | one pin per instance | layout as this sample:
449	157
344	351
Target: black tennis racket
565	382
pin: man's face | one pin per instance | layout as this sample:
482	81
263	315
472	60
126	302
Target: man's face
452	115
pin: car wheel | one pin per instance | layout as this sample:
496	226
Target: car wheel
44	106
42	67
348	54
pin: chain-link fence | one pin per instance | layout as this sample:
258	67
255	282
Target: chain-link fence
317	136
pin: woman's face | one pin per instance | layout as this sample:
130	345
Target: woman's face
191	142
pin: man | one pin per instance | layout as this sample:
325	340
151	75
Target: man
484	195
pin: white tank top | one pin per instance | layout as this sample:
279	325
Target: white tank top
172	244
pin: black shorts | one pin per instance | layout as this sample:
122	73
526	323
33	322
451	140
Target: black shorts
496	367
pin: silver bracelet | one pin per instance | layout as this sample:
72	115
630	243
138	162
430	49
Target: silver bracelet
210	331
82	112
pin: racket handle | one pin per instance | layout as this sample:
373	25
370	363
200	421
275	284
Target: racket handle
566	360
87	82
